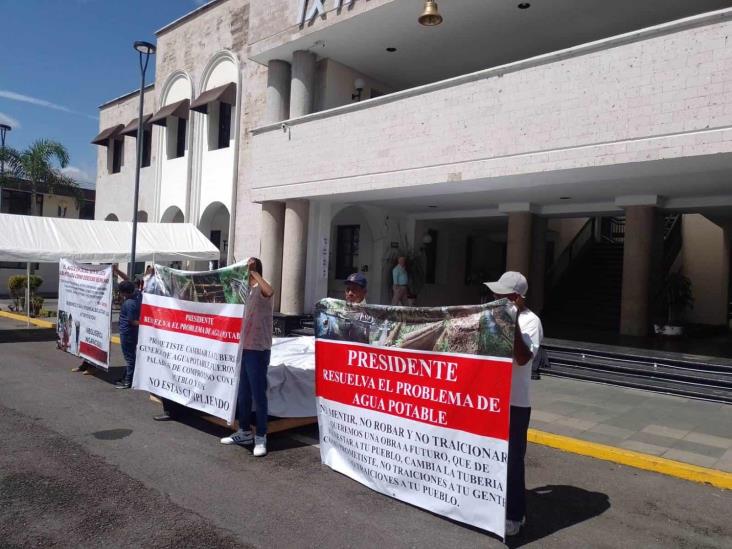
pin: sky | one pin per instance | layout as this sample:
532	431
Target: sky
61	59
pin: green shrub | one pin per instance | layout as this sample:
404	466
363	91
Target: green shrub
17	286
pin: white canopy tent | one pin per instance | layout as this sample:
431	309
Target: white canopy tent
48	239
31	239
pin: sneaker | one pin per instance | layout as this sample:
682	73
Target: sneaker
122	385
241	438
514	526
260	446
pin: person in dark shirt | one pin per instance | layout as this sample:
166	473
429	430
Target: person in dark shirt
129	323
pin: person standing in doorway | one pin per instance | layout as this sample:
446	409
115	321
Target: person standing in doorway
129	325
528	335
400	281
256	342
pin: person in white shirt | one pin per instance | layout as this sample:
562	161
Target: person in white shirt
527	340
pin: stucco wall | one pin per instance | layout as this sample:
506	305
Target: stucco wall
114	192
705	260
626	102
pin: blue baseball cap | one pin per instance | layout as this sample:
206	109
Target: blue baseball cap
358	279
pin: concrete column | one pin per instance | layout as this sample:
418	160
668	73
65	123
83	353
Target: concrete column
273	228
294	256
538	264
302	85
278	91
518	248
640	222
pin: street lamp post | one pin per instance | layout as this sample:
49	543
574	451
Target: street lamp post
145	49
4	129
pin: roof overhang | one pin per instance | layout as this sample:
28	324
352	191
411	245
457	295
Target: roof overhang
179	109
107	134
131	128
224	94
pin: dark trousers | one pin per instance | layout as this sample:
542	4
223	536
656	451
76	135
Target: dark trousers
129	351
174	409
253	383
516	489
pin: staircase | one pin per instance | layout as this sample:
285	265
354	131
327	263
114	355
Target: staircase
686	376
589	294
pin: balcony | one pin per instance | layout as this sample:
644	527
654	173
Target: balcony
659	94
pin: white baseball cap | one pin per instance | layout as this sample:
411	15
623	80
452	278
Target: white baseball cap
510	282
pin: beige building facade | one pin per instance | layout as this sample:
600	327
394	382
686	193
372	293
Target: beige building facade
587	144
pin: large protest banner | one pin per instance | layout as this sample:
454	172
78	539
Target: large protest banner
189	340
83	322
414	403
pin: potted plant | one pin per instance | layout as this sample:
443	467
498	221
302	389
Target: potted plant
17	286
676	299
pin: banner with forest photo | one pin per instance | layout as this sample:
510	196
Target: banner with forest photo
189	340
414	403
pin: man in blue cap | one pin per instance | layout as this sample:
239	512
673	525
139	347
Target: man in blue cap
356	285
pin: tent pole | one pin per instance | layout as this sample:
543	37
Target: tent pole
27	293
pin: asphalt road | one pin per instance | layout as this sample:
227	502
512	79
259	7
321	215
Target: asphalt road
83	465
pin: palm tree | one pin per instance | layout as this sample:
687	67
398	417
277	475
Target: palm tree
35	166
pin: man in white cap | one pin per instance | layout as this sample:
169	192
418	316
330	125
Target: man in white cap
527	339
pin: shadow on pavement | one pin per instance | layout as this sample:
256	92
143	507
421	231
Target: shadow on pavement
555	507
24	335
111	376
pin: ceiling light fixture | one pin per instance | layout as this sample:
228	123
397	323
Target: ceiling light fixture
391	49
431	206
524	6
565	198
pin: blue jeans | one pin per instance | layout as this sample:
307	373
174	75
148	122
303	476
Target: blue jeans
253	383
129	351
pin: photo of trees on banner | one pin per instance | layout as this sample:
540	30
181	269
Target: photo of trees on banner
189	340
414	403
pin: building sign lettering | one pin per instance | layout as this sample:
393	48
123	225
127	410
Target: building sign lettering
307	10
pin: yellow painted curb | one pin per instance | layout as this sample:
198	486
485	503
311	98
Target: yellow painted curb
115	339
678	469
35	321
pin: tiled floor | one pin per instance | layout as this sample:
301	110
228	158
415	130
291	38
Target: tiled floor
682	429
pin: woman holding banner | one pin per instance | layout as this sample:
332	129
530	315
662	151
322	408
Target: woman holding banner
256	342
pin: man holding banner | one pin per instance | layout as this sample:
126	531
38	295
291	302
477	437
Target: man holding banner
129	323
256	342
527	339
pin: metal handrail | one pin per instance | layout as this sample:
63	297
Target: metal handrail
574	249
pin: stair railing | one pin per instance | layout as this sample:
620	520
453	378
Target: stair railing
671	241
613	229
579	244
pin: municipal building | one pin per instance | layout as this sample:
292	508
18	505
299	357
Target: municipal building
585	143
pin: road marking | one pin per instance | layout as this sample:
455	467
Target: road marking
694	473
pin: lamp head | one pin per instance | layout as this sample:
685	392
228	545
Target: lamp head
145	48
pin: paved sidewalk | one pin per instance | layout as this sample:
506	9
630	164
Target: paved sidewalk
677	428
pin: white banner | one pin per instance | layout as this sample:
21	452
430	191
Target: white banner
427	428
188	352
85	311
